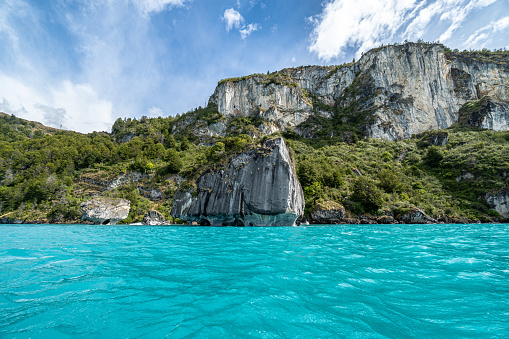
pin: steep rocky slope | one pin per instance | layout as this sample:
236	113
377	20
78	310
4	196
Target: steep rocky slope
391	93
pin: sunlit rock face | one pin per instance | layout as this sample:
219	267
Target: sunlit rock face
499	201
401	90
105	211
256	188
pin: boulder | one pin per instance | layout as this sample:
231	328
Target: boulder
105	211
153	218
416	216
328	212
256	188
387	219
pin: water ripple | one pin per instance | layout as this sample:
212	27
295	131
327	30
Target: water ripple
382	281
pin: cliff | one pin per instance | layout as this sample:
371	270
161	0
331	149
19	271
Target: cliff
105	211
256	188
391	93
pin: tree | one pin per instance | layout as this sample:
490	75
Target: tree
389	181
216	151
184	144
175	163
307	173
367	193
169	141
433	156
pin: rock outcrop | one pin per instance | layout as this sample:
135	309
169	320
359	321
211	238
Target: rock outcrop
153	218
416	216
328	212
105	211
256	188
396	91
499	201
487	113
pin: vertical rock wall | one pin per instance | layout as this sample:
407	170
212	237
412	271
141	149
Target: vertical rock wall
256	188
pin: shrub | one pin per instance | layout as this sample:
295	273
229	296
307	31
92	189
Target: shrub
434	156
367	193
389	181
175	163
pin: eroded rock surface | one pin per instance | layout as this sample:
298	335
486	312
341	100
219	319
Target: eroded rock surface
499	201
328	212
153	218
416	216
256	188
105	211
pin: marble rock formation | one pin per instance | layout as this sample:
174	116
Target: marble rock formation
256	188
105	211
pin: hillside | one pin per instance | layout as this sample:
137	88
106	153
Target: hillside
391	133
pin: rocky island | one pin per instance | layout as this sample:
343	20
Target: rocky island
409	133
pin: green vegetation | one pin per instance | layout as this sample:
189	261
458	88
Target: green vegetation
46	173
500	56
368	176
278	78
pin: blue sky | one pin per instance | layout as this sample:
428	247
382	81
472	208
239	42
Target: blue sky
82	64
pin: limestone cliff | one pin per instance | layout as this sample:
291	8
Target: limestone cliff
395	91
256	188
499	201
105	211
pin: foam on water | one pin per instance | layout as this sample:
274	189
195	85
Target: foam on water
391	281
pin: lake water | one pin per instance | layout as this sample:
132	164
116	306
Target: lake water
351	281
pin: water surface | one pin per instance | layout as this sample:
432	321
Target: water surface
352	281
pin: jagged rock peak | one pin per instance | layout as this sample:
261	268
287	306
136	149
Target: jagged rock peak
256	188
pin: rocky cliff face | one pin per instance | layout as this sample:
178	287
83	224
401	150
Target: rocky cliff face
256	188
399	90
500	202
105	211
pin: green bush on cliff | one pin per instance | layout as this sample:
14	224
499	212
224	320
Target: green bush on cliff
367	194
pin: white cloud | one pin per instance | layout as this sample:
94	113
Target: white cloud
148	7
362	24
365	24
457	14
155	112
233	19
246	31
71	106
482	36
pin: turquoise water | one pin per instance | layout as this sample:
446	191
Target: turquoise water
351	281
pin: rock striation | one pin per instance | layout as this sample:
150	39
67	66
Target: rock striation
153	218
256	188
396	91
105	211
499	201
